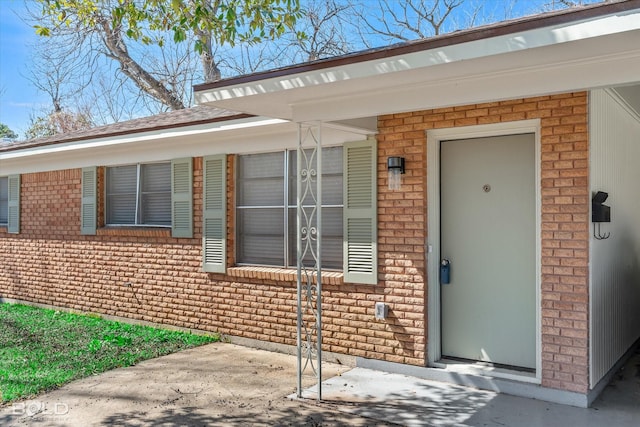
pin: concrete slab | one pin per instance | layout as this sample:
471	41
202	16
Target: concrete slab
214	385
412	401
229	385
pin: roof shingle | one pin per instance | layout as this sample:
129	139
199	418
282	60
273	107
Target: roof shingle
187	117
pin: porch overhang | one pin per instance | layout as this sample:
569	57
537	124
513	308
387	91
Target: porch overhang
571	51
237	135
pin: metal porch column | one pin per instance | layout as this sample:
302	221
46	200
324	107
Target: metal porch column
309	250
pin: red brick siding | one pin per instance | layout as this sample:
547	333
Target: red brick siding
51	263
565	209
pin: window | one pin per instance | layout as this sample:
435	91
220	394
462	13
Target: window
4	200
266	209
139	194
265	230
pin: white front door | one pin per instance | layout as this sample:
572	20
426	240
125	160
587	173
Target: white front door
488	232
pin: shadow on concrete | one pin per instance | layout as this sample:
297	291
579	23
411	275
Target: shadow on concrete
227	385
190	416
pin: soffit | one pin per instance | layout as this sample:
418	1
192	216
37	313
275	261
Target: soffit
597	52
240	136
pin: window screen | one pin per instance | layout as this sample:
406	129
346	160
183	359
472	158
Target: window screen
139	194
261	209
266	209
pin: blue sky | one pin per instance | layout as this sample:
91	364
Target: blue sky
18	99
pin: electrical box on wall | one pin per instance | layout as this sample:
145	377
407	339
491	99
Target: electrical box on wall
382	310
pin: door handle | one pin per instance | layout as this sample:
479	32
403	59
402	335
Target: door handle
445	271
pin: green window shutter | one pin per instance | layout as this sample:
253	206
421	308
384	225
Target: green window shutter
182	198
88	207
214	227
13	202
360	214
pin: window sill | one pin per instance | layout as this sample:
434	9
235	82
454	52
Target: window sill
134	231
280	274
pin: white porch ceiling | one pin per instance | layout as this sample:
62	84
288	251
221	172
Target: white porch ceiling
598	52
631	94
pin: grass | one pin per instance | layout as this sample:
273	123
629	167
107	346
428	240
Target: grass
43	349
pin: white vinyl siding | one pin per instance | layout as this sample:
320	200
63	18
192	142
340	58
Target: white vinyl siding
614	294
266	209
4	200
139	194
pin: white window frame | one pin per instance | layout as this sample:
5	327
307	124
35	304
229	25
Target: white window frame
138	197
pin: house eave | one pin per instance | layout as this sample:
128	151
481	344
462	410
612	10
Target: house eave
551	47
151	145
245	135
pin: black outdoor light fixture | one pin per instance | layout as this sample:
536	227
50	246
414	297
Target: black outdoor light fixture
395	166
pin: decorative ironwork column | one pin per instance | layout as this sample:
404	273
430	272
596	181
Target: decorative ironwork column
309	250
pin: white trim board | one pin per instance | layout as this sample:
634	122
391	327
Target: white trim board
597	52
189	141
434	137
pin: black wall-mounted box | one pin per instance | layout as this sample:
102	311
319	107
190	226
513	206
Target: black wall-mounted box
600	212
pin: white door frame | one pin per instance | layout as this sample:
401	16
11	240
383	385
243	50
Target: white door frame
434	137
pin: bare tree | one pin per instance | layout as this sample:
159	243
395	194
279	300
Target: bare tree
566	4
88	53
474	13
57	71
136	65
135	36
247	59
391	21
322	23
113	38
115	99
325	34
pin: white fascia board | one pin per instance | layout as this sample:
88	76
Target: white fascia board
553	76
278	96
194	141
154	135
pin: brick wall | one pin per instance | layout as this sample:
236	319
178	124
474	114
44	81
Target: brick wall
565	209
51	263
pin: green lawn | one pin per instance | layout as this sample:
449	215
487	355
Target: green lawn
42	349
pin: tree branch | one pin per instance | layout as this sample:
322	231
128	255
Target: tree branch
113	41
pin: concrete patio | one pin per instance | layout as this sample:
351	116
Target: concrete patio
226	385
